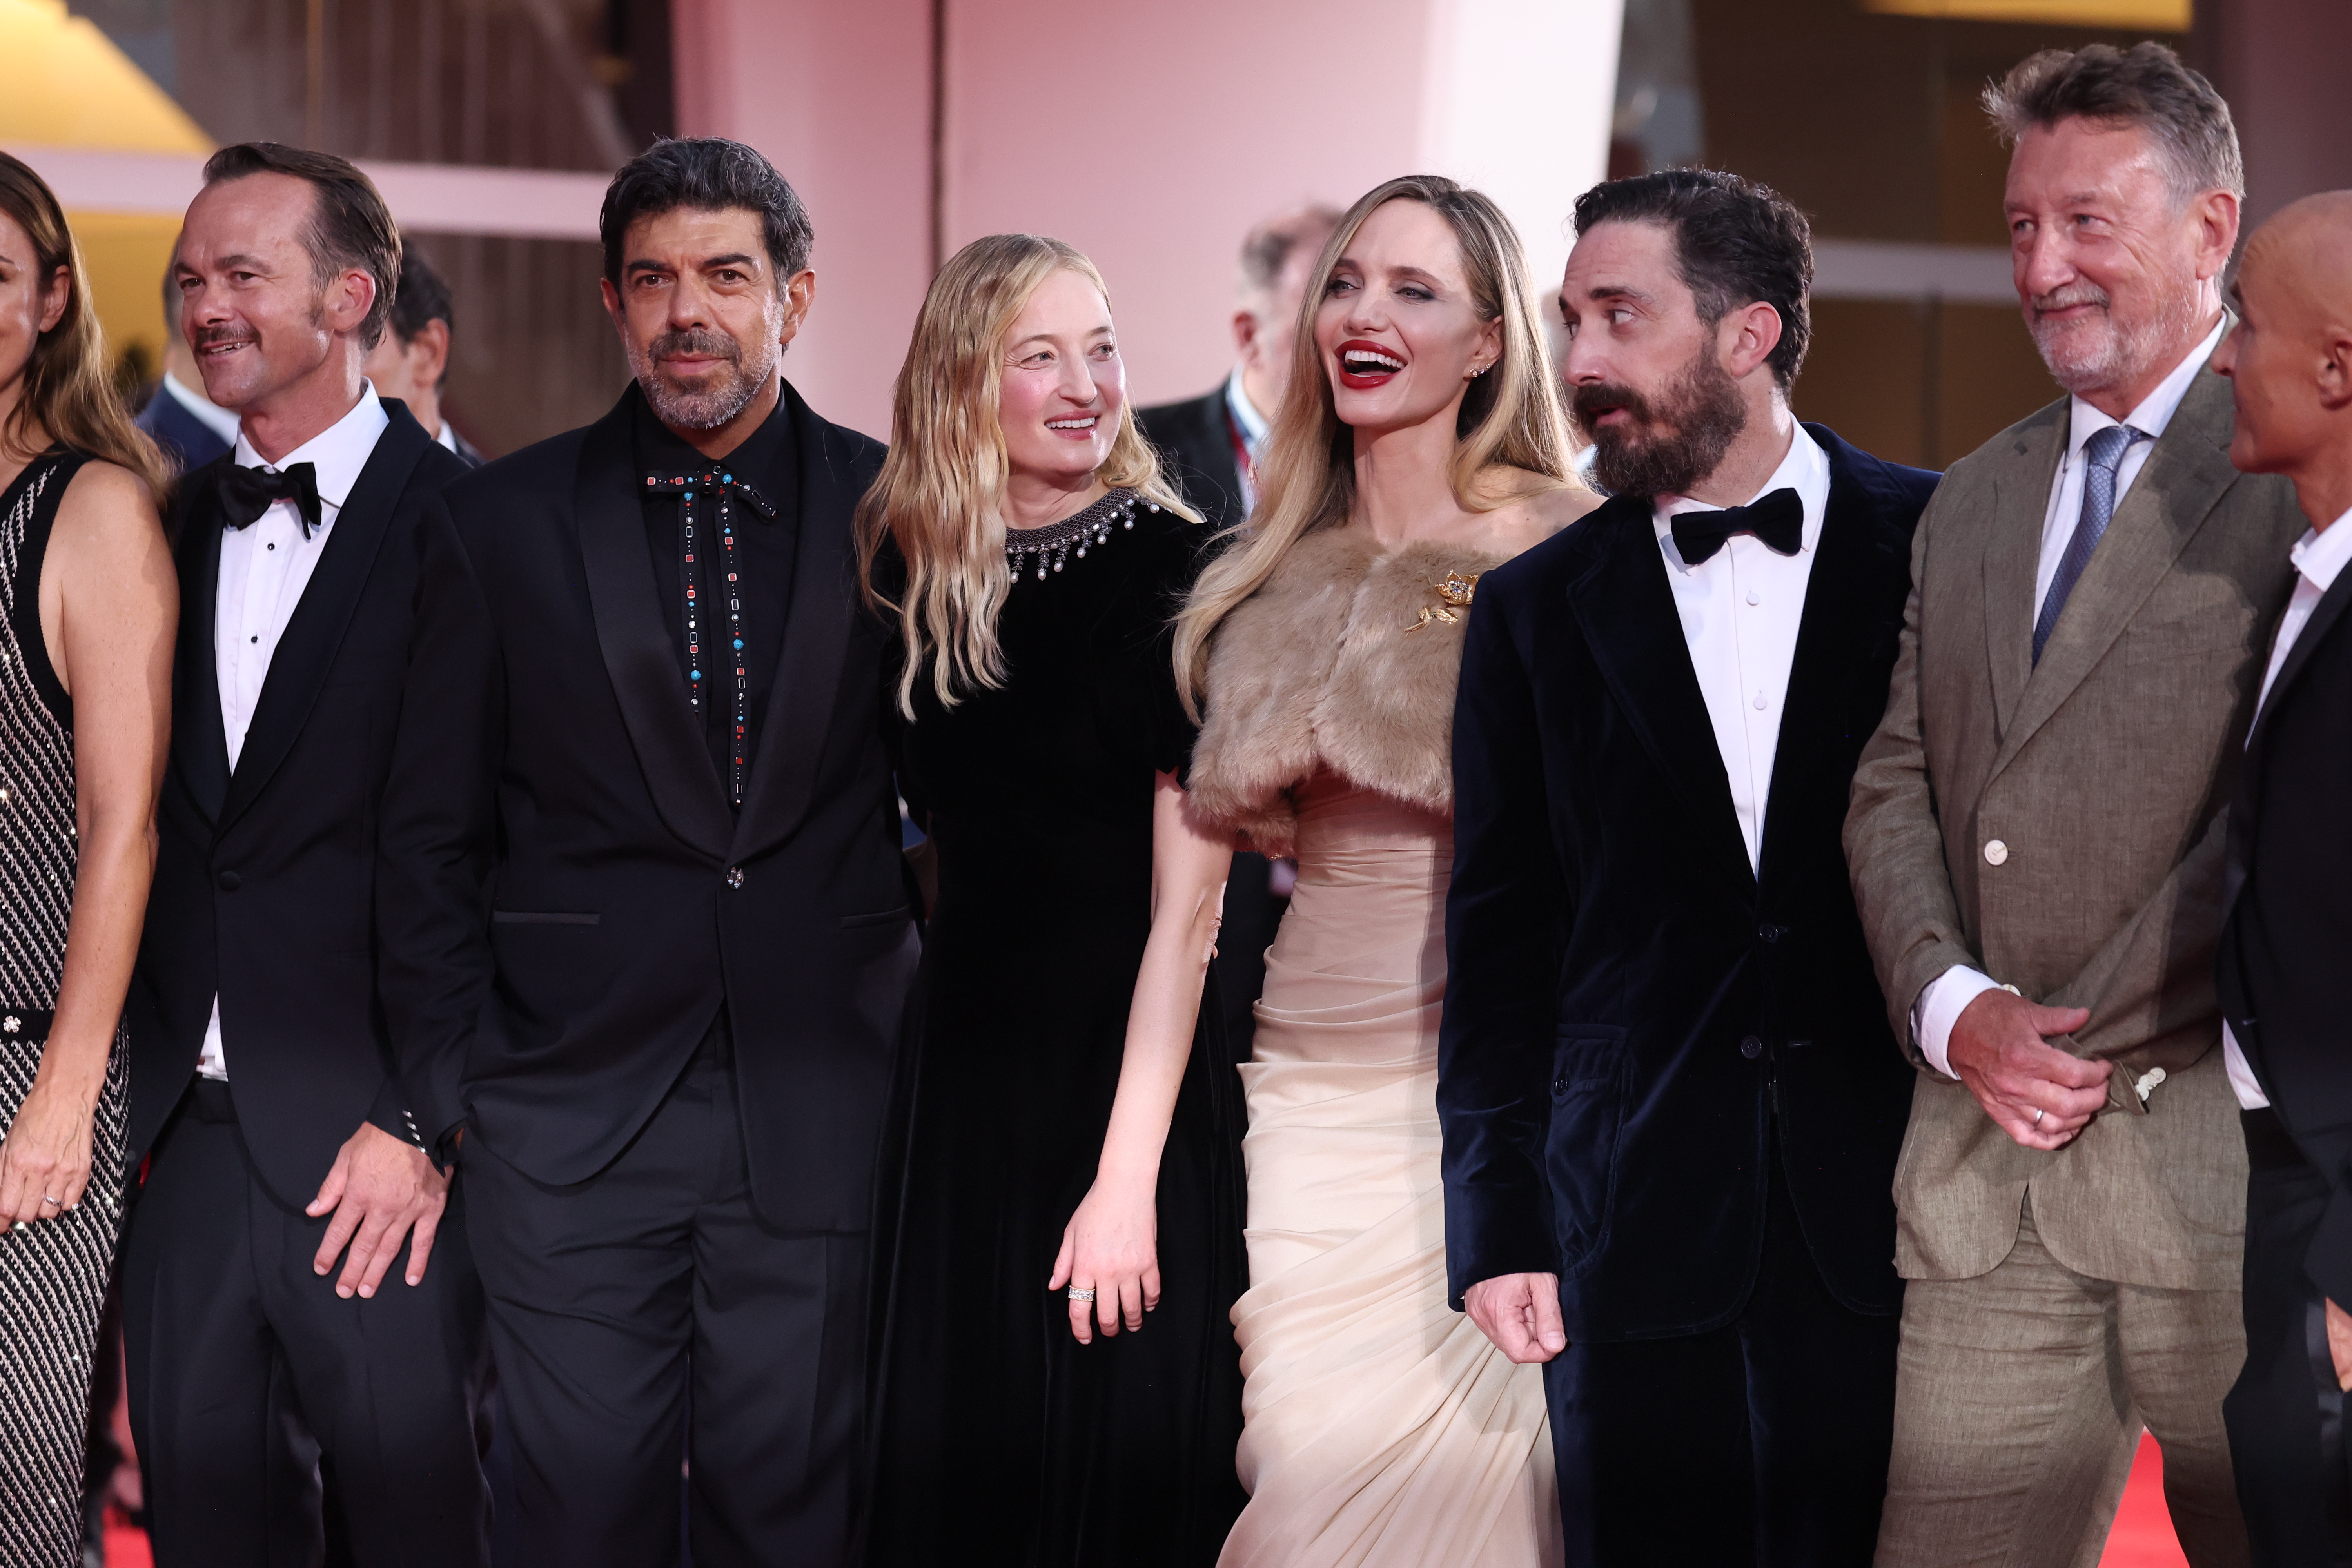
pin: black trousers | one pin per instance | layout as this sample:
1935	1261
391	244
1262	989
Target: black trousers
2286	1414
249	1376
1765	1441
650	1305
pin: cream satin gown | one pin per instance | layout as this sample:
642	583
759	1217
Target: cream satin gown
1381	1428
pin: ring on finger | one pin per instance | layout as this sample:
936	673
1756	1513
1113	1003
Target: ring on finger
49	1200
1082	1292
2037	1116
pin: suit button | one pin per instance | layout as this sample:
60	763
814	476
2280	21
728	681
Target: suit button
230	881
734	875
1751	1047
1996	852
1767	932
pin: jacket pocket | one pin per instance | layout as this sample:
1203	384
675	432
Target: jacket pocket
542	917
879	918
1589	1090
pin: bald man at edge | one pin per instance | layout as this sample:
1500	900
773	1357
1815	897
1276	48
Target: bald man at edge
2288	927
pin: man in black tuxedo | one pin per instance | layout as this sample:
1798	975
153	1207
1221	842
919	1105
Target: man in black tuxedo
2281	966
647	931
189	427
1211	443
1671	1104
286	1174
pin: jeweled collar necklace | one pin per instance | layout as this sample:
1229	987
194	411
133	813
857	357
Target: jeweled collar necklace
1049	548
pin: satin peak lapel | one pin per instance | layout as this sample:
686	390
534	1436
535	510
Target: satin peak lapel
816	639
1636	638
638	655
305	656
2187	473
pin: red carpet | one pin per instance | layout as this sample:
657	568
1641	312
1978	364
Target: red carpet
2142	1536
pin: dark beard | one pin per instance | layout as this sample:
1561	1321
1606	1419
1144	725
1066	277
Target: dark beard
1675	440
714	404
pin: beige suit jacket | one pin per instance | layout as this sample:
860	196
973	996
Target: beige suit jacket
2103	776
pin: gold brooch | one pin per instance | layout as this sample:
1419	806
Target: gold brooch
1453	593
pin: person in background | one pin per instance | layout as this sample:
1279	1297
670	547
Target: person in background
1212	444
2036	843
411	361
1421	443
191	430
264	1281
1671	1104
1058	1384
644	925
2289	923
87	613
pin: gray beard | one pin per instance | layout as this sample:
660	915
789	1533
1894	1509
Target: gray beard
2110	355
712	407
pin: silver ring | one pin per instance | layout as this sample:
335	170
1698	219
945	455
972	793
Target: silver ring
1082	1292
2037	1116
49	1200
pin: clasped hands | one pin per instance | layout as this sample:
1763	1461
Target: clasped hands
2038	1094
379	1190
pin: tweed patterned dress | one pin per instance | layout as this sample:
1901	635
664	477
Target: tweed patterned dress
53	1274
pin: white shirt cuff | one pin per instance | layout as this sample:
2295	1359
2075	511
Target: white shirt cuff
1941	1002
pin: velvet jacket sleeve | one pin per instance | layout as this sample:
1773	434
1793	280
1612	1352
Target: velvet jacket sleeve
437	841
1505	917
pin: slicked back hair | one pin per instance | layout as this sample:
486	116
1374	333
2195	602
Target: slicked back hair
1735	242
349	225
2147	86
707	173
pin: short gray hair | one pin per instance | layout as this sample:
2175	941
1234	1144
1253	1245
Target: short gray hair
2146	86
1270	245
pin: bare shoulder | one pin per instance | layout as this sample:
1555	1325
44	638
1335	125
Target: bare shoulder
1535	515
107	522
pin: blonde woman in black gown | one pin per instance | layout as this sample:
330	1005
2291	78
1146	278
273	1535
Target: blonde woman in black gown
88	606
1058	1382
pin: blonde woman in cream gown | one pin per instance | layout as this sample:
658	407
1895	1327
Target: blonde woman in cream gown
1381	1426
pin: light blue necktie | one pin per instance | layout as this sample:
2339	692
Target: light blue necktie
2104	452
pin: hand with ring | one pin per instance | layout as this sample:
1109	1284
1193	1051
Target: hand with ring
1112	1242
45	1160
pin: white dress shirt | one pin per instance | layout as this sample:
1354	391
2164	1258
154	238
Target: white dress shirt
212	415
2319	559
1255	427
263	570
1740	609
1942	1000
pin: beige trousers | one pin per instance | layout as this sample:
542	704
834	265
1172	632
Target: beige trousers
2020	1398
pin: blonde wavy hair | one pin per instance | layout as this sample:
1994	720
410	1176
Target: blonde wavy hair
1511	434
69	397
940	496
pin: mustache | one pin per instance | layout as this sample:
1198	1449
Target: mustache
2071	295
1589	402
716	344
213	337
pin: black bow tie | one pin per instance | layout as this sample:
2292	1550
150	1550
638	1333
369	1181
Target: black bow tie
246	493
1778	519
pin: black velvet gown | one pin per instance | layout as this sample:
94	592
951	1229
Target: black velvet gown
998	1439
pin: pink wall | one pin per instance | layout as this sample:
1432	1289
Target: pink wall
1149	135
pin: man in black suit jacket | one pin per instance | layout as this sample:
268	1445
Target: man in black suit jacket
1211	444
190	428
647	927
1671	1105
2281	964
263	1083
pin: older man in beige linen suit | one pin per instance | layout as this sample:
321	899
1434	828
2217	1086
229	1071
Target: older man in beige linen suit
2036	845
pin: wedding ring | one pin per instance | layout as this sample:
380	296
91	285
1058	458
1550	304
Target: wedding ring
1082	1292
2037	1116
49	1200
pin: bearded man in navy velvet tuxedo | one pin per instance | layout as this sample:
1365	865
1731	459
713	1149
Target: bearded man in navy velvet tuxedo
1671	1104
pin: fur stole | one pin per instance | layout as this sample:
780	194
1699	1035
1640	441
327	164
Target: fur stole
1333	662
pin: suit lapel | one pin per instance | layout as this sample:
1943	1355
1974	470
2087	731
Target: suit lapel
199	740
2013	555
2244	817
816	640
639	656
1835	638
306	652
2185	475
1636	638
